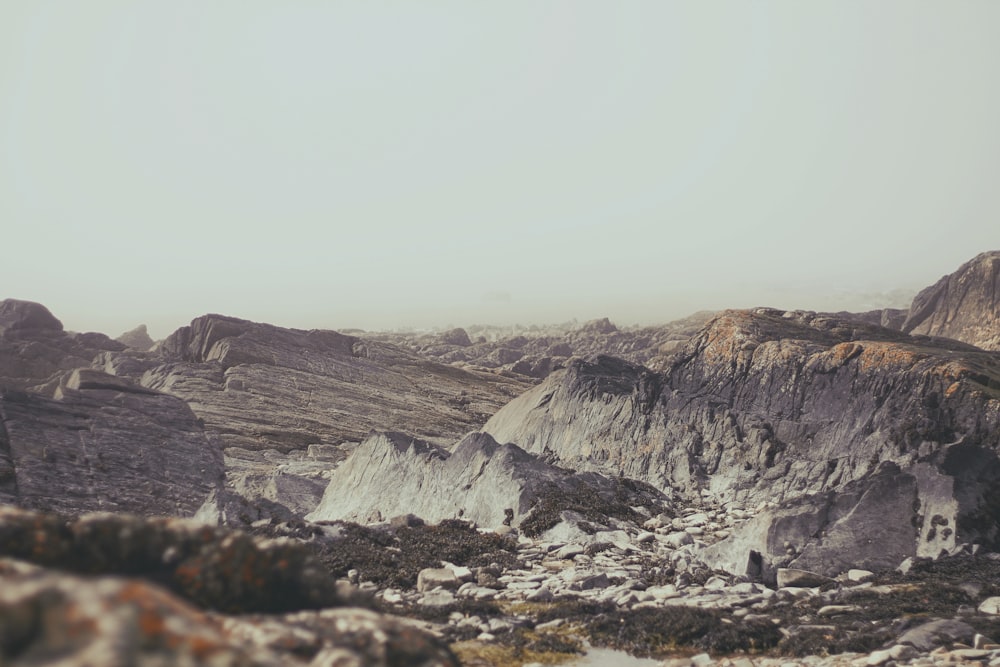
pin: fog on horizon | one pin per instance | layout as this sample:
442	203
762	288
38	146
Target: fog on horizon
379	165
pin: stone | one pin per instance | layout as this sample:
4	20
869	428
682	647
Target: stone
591	582
437	598
793	577
104	443
990	605
431	578
941	632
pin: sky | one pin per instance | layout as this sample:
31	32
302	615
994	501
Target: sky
382	164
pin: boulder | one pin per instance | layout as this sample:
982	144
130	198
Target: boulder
26	315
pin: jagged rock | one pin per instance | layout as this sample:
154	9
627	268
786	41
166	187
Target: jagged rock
990	606
104	443
265	387
137	339
481	481
964	305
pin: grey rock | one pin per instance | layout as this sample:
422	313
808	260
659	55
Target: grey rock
964	305
260	386
936	633
107	444
431	578
437	598
479	480
137	339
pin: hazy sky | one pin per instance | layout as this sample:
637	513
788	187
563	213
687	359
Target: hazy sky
373	164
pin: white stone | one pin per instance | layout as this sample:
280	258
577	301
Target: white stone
990	606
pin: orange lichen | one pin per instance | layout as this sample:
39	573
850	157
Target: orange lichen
881	355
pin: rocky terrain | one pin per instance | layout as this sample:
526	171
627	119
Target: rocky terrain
750	487
537	351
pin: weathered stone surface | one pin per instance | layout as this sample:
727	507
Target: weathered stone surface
480	481
265	387
936	633
104	443
964	305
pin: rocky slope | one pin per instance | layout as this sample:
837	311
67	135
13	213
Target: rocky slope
964	305
770	406
265	387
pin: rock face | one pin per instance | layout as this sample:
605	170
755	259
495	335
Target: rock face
771	406
964	305
103	443
264	387
481	481
16	314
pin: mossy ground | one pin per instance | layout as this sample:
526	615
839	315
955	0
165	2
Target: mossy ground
394	558
596	507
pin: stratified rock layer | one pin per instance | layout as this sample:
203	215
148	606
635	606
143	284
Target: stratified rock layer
103	443
259	386
964	305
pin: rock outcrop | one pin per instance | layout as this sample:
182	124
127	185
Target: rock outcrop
35	350
260	386
104	443
964	305
771	406
481	481
137	339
